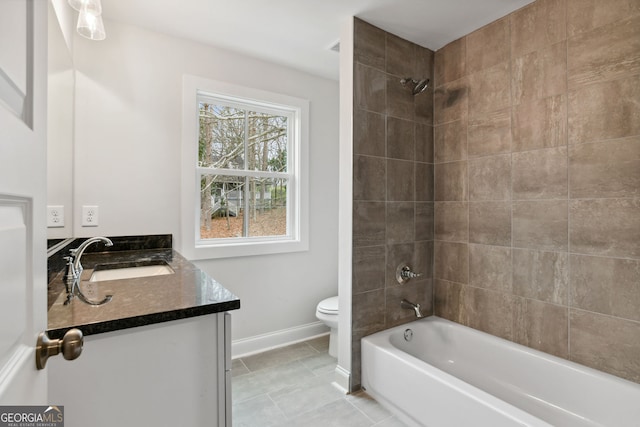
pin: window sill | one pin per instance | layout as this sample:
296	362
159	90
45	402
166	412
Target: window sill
246	248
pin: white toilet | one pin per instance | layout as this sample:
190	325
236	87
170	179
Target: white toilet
327	312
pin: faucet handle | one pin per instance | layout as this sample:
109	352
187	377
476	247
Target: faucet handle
404	274
69	275
70	268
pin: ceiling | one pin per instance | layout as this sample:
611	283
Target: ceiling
299	33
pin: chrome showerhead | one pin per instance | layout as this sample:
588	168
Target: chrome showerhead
416	86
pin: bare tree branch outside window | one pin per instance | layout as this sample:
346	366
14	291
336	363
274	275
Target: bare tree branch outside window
233	204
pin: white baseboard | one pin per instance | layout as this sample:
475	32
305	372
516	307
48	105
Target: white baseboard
259	343
342	379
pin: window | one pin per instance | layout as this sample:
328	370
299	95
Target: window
248	151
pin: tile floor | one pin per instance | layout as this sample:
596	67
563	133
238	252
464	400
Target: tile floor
291	386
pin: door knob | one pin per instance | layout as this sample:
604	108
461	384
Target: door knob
70	345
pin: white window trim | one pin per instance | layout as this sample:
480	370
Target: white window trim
189	242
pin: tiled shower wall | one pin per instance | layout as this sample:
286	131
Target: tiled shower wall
537	181
392	183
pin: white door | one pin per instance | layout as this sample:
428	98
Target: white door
23	277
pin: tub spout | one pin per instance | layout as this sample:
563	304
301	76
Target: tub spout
411	306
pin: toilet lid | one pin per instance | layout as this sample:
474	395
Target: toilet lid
328	306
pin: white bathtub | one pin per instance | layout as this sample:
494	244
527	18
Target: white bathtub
451	375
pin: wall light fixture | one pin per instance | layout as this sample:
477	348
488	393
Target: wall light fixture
90	23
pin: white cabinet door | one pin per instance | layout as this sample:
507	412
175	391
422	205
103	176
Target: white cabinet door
166	374
23	277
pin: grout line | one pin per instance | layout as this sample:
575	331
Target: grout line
268	395
245	366
566	100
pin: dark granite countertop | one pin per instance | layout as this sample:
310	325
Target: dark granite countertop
188	292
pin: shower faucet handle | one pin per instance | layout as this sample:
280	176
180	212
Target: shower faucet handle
404	274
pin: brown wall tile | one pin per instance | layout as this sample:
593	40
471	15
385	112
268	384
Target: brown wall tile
356	360
544	327
608	227
400	180
400	100
540	174
393	164
447	297
451	221
537	25
490	267
605	110
400	138
450	141
540	225
490	178
490	133
451	261
423	105
424	182
450	102
401	56
450	62
369	44
370	88
606	343
490	223
489	104
540	123
488	46
368	269
540	74
423	259
424	143
425	63
490	90
367	312
542	276
585	15
606	53
451	181
489	311
369	178
424	220
368	133
400	226
368	223
606	169
606	285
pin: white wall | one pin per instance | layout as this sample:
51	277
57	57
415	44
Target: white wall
127	160
60	101
66	20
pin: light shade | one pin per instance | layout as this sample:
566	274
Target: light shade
90	25
93	6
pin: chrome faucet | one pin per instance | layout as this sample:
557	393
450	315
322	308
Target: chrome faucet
74	270
411	306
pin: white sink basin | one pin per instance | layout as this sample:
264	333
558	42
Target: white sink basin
130	272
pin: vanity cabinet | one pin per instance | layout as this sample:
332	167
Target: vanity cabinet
175	373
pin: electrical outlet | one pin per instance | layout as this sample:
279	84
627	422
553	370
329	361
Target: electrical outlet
55	216
89	216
